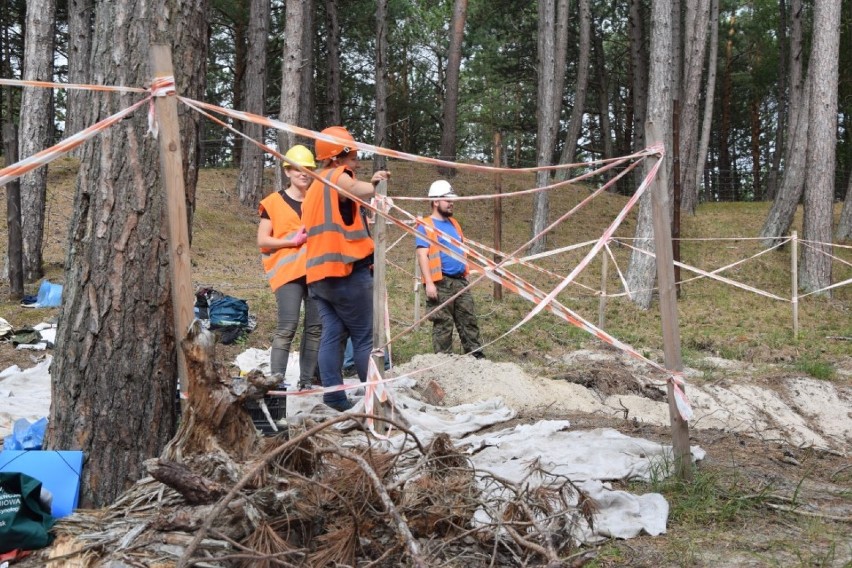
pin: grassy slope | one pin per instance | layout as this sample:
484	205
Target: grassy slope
721	519
714	317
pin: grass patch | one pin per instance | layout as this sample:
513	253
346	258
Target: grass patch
816	368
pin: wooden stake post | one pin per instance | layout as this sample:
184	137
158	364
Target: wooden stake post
668	306
171	166
794	276
379	296
498	211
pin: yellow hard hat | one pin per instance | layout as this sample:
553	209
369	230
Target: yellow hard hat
301	156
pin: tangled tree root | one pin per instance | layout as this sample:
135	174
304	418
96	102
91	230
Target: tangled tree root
316	497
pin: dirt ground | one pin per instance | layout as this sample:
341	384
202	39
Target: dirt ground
755	502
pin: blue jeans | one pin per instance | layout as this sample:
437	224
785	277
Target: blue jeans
289	298
345	306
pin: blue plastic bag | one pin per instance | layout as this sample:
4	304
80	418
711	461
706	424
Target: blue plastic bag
49	295
228	311
26	436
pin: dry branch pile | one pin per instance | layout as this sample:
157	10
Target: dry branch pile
315	495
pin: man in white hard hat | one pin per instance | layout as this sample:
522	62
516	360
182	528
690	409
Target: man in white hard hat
444	275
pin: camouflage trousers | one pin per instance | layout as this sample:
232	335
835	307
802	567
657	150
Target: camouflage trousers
460	312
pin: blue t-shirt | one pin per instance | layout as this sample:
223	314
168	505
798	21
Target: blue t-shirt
449	265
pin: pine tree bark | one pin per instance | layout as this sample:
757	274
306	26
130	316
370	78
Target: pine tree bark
844	225
783	103
639	76
332	91
306	98
695	42
641	271
798	81
815	267
709	97
603	95
36	130
575	123
292	60
240	63
780	218
250	182
115	371
451	87
552	23
381	125
80	20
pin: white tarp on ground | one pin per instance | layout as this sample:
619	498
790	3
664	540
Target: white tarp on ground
24	394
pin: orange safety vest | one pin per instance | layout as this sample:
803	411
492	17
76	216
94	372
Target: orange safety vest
285	264
332	245
434	253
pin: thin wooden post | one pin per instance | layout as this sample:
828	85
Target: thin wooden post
668	306
677	190
379	299
602	300
498	210
794	269
417	288
171	166
13	216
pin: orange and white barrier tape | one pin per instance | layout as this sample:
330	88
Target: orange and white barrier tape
75	86
16	170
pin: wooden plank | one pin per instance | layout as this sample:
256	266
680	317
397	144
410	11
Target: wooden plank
668	305
379	295
171	166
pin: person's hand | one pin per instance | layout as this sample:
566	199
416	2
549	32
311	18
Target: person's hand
380	176
431	291
300	238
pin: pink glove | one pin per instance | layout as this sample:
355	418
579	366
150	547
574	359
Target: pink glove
300	237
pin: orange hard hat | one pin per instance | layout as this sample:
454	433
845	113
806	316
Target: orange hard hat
326	150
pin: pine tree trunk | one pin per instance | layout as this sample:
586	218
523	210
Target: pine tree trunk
815	268
451	90
709	97
844	226
575	123
250	183
332	91
36	130
783	209
695	42
80	20
552	18
641	272
639	76
113	393
381	125
726	181
603	96
240	62
798	81
292	60
783	103
307	105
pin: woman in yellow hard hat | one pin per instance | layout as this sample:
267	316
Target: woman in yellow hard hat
281	237
340	259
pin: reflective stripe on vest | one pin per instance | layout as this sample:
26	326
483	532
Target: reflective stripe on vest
434	253
285	264
332	246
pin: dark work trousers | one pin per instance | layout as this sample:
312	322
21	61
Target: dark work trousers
460	312
345	306
289	298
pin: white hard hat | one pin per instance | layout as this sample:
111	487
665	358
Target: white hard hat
441	188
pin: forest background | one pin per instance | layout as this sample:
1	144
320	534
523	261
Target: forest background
763	92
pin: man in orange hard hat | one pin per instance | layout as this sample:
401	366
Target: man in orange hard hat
340	259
